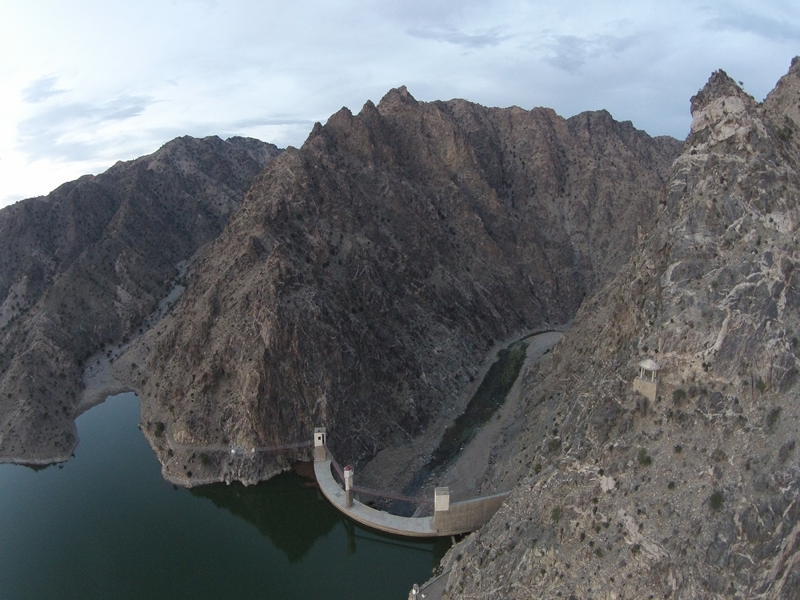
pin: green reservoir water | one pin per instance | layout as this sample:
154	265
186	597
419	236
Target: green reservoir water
106	525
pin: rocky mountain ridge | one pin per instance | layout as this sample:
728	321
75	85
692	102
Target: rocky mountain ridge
695	495
81	269
363	277
367	273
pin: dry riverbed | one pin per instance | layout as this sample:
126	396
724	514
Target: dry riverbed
470	473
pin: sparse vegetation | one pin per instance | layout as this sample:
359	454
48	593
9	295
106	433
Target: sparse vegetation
158	430
555	514
785	133
678	395
643	458
489	396
716	500
773	416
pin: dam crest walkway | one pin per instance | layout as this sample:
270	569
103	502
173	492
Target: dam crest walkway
366	515
449	518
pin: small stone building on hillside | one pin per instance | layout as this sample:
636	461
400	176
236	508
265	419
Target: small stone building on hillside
646	383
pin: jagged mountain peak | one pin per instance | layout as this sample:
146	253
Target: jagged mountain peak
396	96
450	219
671	495
721	111
369	108
731	216
720	85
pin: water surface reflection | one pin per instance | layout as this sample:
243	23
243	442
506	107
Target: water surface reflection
106	525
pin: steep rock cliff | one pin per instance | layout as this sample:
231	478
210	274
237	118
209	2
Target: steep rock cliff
81	268
366	274
695	495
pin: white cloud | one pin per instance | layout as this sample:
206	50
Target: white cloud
66	131
478	39
570	52
88	82
41	89
768	27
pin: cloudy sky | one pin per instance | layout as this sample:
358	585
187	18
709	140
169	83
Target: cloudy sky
86	83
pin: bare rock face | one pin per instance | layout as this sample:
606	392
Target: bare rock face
81	268
783	103
366	274
696	494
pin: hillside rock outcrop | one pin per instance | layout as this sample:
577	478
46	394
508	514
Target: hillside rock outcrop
696	494
366	274
82	268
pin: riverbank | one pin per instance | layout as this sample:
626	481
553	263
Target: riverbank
468	475
113	370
